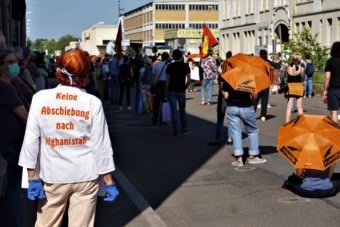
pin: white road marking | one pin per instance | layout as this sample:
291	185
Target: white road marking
146	210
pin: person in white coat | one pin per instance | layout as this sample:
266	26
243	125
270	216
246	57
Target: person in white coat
67	147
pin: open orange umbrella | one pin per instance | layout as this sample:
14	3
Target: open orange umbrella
194	56
256	61
247	78
310	142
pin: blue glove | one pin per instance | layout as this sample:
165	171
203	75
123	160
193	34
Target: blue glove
35	190
111	193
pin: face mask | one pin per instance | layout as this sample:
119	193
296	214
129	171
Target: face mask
13	70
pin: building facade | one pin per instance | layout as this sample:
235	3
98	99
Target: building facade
13	22
249	25
187	40
95	39
146	25
322	17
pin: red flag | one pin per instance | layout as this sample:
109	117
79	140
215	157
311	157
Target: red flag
208	40
118	42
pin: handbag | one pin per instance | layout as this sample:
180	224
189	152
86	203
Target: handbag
283	85
166	112
296	89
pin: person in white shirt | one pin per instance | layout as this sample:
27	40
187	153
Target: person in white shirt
67	147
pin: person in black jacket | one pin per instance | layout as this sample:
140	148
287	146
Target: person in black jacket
125	79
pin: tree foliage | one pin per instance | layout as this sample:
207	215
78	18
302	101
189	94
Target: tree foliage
51	45
306	43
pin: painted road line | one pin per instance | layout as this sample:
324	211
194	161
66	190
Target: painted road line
146	210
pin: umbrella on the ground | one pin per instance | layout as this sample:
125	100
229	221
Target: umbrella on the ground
256	61
247	78
310	142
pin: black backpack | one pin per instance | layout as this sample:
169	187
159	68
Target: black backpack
309	69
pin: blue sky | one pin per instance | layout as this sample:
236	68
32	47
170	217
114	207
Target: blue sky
55	18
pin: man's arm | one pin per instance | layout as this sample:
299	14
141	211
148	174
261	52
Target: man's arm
187	79
21	112
225	94
326	83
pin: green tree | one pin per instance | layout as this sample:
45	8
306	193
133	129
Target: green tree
51	46
305	43
39	44
65	41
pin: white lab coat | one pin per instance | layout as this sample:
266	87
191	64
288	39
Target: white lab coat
83	151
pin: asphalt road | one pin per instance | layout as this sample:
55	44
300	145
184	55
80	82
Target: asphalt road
181	181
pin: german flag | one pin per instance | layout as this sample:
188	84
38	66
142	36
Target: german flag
208	40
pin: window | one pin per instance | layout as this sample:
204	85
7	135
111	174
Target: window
329	31
337	37
310	24
297	27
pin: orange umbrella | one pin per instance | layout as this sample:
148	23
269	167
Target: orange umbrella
194	56
247	78
240	59
310	142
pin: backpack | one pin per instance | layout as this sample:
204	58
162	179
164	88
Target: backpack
147	76
309	69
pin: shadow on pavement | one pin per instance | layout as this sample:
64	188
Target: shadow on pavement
156	162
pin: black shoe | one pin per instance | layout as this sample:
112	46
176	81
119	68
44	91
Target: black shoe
229	141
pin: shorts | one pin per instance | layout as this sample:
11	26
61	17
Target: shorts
333	97
293	183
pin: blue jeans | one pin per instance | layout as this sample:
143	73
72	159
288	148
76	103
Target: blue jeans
207	83
125	86
247	115
14	193
174	99
308	86
115	89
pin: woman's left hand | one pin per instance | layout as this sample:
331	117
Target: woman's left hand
111	193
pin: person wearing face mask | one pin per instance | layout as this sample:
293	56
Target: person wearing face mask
27	73
14	114
67	137
21	83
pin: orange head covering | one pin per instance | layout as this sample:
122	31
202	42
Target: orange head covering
73	68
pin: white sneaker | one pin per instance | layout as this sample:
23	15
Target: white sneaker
256	160
129	108
263	118
237	163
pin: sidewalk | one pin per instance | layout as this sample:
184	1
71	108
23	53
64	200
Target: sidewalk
181	181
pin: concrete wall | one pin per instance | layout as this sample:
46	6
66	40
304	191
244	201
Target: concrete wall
95	38
247	25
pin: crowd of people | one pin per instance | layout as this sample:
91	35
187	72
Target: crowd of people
56	126
46	137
